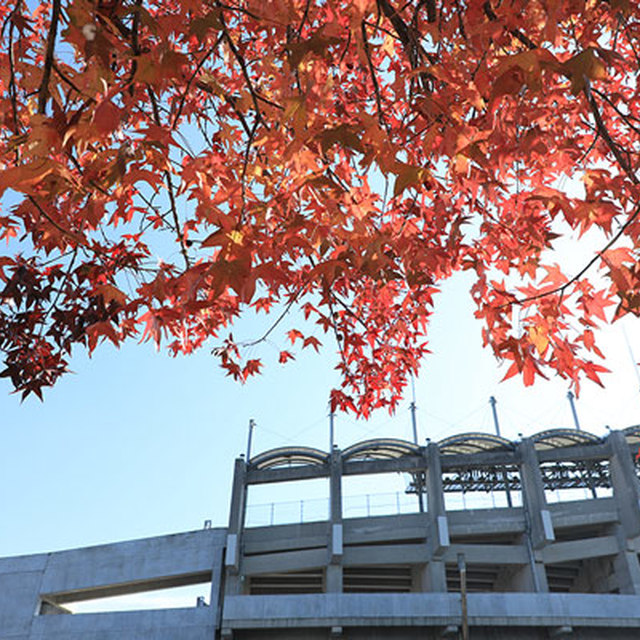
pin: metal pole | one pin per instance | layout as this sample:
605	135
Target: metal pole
496	423
252	424
331	432
633	359
573	409
414	422
414	425
462	568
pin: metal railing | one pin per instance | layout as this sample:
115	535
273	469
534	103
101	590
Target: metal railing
317	509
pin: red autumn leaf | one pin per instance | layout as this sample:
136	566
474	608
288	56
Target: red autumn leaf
106	117
101	330
344	172
294	335
285	356
251	368
312	341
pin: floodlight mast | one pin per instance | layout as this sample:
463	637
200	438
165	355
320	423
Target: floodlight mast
252	424
496	423
573	410
412	406
332	416
414	425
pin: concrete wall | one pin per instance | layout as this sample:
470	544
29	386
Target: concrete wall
533	571
130	567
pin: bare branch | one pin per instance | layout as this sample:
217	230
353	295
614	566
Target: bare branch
169	182
196	71
376	86
43	93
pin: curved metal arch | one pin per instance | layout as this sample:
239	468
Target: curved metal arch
380	449
288	457
473	443
558	438
632	435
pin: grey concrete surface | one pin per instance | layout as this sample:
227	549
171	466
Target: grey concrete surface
541	570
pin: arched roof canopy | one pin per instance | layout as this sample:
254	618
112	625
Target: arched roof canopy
380	449
474	443
632	435
288	457
558	438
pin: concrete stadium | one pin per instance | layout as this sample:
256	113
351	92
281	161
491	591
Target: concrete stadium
555	554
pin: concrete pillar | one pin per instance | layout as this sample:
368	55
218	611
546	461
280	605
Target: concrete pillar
333	579
538	524
626	493
434	577
626	488
233	553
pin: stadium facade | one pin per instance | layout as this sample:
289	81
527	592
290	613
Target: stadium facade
538	563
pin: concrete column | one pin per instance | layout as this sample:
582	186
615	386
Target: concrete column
333	580
538	524
233	552
626	493
626	488
434	577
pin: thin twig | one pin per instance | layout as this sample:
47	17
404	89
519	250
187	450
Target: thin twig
626	117
245	164
191	79
604	132
66	232
68	80
273	326
169	182
305	15
599	255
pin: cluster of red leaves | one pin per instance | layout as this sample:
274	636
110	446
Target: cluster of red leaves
169	164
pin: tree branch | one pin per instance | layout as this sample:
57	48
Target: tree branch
604	132
599	255
376	86
167	177
190	81
43	93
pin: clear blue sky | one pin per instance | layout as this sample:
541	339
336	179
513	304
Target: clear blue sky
136	443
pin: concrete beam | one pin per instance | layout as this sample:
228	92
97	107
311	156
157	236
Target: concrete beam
167	624
488	554
582	513
181	556
486	522
480	459
406	464
410	526
127	588
257	546
507	610
580	549
286	474
283	562
385	555
579	452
